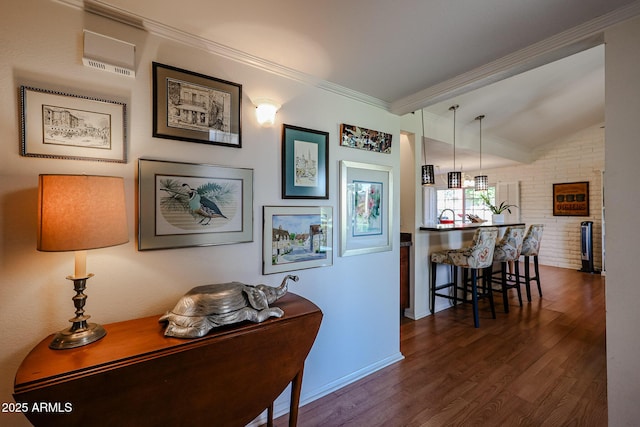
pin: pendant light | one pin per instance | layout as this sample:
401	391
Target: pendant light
428	175
482	181
454	178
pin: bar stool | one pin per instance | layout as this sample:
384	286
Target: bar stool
507	251
477	256
531	248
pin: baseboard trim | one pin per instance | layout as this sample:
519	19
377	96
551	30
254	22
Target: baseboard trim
281	406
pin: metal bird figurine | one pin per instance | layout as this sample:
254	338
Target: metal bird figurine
202	206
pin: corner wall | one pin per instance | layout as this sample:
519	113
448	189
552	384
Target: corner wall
622	67
42	47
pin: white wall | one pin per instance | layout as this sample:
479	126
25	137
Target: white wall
622	65
42	47
579	157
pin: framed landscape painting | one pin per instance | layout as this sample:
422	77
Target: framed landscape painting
193	107
186	204
296	238
65	126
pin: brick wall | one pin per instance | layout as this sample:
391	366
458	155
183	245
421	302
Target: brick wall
579	157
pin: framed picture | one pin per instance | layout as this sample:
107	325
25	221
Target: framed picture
366	192
295	238
193	107
571	199
365	139
305	163
65	126
185	204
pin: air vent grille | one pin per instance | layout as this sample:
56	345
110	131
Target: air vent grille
107	67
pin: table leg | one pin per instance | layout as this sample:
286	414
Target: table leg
270	415
296	387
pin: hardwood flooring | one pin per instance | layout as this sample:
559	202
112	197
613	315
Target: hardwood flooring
543	364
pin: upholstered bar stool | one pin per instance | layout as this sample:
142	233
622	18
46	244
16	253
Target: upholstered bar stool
442	257
507	251
530	249
476	257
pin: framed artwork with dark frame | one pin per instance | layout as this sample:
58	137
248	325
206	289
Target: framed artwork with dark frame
365	139
296	238
305	163
188	204
366	192
571	199
189	106
60	125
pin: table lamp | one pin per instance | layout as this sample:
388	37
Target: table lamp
77	213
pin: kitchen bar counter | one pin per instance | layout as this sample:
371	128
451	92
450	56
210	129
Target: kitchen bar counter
426	240
466	226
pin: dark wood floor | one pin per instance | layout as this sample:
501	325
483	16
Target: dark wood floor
540	365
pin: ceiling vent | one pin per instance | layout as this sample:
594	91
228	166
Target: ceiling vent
109	54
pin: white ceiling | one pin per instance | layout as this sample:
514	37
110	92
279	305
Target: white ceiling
407	54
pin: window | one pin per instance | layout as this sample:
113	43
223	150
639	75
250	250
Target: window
463	202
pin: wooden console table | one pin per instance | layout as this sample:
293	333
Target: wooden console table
135	376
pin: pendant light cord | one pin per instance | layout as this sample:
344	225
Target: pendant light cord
424	151
454	108
479	118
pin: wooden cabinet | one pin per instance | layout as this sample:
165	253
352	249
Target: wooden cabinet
135	376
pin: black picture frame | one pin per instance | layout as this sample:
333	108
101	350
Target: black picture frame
365	139
305	163
189	106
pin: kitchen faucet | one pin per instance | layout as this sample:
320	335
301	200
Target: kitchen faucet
453	215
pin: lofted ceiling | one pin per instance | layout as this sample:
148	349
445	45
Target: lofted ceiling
529	66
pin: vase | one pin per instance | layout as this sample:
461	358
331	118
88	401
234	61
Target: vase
497	218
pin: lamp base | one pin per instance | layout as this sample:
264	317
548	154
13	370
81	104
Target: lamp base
72	338
80	332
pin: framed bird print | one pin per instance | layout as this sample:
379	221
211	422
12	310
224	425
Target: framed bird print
188	204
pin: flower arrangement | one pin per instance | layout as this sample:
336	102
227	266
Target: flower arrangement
496	209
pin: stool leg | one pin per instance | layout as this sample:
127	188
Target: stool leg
527	278
474	297
487	275
433	287
537	271
505	297
455	284
517	269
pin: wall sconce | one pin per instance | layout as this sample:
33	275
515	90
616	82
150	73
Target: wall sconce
77	213
266	112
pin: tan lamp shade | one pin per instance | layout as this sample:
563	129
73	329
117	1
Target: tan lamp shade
80	212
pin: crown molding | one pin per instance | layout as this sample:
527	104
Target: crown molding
156	28
574	40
